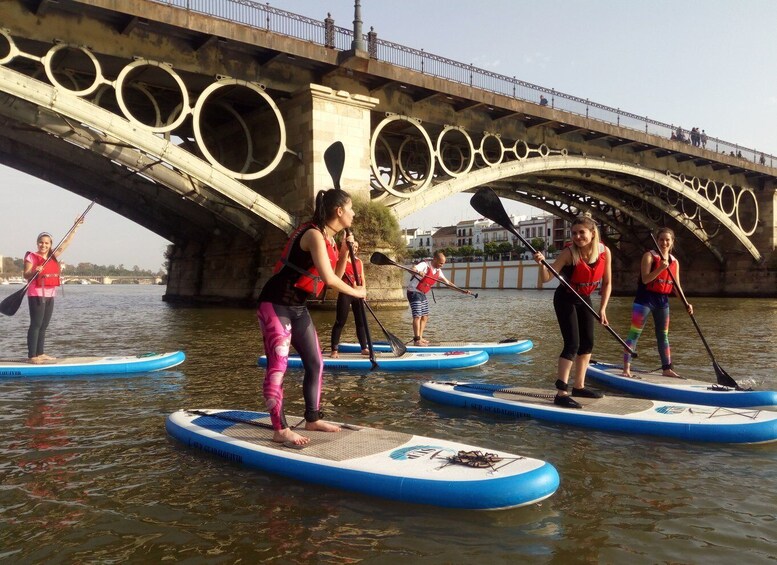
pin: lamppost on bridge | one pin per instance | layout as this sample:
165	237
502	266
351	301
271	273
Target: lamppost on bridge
358	43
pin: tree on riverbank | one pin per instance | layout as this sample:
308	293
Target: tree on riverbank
14	267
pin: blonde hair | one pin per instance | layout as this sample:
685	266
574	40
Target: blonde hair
588	223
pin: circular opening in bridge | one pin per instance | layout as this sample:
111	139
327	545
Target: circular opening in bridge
455	151
74	69
521	150
239	129
386	165
728	200
8	50
747	209
402	141
711	191
491	149
152	95
689	208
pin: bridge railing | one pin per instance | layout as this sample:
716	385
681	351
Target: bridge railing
324	32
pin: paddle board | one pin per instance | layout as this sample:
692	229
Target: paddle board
81	366
689	390
388	362
382	463
692	422
505	347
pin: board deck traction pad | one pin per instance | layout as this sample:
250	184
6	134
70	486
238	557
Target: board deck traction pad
354	442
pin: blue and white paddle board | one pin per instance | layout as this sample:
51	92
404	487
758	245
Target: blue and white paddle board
376	462
504	347
692	391
622	414
82	366
388	362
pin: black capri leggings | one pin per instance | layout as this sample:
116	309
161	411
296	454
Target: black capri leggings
576	323
41	310
346	302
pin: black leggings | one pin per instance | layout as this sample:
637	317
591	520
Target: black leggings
576	323
346	302
41	310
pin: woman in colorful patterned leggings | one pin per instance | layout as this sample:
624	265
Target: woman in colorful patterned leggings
659	278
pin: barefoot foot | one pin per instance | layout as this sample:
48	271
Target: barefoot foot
335	355
365	351
671	373
287	436
321	426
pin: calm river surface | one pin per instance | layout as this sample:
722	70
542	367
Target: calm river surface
88	474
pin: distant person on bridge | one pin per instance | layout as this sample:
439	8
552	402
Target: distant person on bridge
654	286
309	262
543	100
345	303
41	292
585	264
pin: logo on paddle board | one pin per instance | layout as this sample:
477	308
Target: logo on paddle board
670	409
421	451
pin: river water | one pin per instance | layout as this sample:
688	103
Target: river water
88	474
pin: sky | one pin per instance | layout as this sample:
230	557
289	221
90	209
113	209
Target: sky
705	63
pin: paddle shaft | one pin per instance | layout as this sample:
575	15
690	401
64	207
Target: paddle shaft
413	271
357	277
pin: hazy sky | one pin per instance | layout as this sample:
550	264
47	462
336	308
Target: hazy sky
705	63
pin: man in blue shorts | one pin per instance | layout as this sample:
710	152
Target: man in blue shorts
428	273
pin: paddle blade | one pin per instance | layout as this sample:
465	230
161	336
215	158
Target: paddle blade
486	202
379	258
334	158
10	304
724	379
397	347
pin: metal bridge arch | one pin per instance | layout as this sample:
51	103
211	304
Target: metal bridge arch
63	111
512	169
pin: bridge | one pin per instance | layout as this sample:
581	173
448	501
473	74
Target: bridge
206	123
100	279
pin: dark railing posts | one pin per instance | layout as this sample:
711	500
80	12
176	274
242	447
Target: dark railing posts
372	43
329	31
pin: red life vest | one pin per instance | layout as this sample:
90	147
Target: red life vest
49	276
585	277
663	283
348	276
430	279
310	279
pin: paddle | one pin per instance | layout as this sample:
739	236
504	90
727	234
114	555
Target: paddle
379	258
486	202
724	379
10	305
334	158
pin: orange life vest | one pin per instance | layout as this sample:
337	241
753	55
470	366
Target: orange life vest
663	283
428	281
49	276
586	278
310	279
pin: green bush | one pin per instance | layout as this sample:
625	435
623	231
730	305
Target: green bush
375	226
